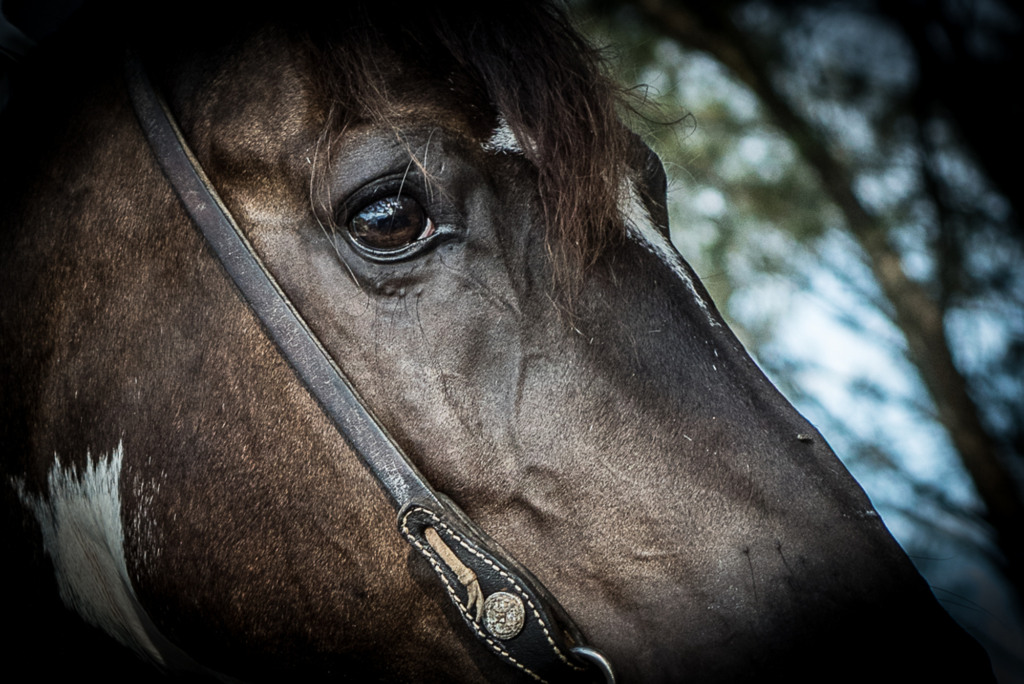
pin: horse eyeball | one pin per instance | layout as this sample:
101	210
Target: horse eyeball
390	223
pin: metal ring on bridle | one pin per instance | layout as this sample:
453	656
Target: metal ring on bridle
598	660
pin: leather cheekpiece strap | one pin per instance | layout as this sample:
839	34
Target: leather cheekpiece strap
511	611
506	608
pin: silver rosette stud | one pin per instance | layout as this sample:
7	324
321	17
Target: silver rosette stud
504	615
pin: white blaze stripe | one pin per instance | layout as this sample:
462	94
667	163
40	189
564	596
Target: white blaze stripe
503	140
638	222
641	229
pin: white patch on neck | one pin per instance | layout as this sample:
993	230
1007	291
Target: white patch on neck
80	520
640	227
503	140
81	525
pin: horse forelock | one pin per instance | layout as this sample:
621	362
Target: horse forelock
521	70
526	83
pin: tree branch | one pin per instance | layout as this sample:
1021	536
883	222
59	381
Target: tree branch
708	27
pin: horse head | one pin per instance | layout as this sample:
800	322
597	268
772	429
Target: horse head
451	205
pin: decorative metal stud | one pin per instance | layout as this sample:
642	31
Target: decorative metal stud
504	615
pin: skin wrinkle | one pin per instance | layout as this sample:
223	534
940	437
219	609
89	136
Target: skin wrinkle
486	294
443	377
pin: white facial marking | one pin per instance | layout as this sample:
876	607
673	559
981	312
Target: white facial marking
503	140
641	229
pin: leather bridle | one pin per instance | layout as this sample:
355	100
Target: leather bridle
501	602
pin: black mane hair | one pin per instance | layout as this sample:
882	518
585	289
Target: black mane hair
523	63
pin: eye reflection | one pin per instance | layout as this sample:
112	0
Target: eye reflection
390	223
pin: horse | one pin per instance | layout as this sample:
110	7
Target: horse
443	203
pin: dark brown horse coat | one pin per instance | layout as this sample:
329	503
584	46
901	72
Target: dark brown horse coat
539	350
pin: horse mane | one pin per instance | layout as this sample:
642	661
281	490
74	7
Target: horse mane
522	64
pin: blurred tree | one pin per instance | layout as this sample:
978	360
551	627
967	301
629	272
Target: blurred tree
852	165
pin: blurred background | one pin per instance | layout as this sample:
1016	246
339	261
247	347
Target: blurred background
845	177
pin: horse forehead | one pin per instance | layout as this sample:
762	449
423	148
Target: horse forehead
441	121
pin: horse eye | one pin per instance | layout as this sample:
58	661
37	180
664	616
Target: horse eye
390	224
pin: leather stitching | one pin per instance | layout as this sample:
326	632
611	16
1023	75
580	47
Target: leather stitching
432	557
434	561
